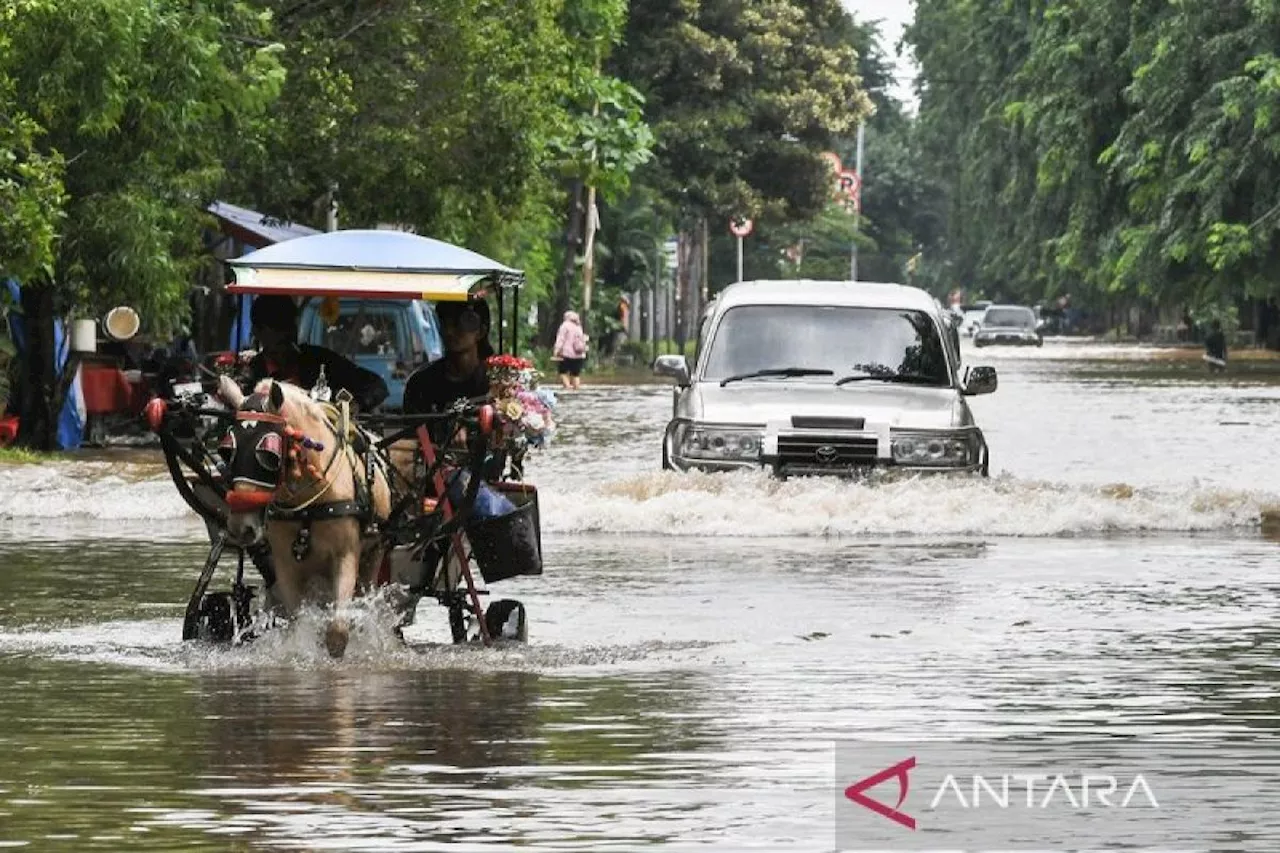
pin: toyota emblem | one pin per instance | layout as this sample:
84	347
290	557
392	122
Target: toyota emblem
826	454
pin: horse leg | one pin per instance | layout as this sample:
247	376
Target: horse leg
288	587
346	571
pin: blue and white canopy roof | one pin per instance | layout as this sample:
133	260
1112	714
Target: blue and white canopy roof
382	264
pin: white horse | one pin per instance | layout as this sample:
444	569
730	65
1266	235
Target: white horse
296	480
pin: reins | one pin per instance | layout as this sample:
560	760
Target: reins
343	448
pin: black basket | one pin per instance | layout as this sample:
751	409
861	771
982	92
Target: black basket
510	545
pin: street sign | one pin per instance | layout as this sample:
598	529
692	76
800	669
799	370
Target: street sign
740	227
670	253
848	183
834	160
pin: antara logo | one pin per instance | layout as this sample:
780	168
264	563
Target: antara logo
1074	792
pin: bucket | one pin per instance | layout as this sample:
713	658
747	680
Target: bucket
509	545
84	336
121	323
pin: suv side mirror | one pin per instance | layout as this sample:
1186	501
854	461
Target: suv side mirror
674	366
979	380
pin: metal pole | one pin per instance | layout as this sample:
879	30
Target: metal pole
857	214
739	259
653	301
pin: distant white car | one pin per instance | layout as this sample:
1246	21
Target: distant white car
970	320
1015	325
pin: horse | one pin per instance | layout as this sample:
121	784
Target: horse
296	479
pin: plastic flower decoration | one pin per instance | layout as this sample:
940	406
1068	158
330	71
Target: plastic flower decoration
526	413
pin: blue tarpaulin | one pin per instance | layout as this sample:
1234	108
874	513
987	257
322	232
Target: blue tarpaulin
242	328
71	419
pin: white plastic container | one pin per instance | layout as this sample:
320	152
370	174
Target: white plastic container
84	335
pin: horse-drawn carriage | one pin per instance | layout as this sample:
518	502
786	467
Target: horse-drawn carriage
326	503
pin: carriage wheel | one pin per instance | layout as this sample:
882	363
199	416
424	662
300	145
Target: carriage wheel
457	622
506	620
217	618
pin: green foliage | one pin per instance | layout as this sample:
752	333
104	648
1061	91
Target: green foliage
604	138
1105	148
436	114
742	99
901	204
125	115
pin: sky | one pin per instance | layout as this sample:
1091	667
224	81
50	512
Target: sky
895	14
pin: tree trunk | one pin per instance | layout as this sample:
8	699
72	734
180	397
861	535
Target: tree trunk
691	278
38	424
684	272
562	294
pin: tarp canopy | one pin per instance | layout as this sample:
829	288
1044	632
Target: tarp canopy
254	228
371	264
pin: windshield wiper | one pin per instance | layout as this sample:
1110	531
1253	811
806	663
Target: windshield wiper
891	376
779	371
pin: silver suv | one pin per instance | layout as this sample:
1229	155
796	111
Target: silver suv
817	377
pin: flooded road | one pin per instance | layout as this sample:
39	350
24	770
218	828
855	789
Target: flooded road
697	643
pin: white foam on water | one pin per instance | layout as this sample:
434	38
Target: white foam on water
741	504
99	491
156	645
145	644
751	504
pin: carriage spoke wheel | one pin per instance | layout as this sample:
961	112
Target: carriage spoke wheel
217	618
506	620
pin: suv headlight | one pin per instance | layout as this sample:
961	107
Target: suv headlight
729	442
943	448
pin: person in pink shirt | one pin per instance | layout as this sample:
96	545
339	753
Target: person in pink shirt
570	350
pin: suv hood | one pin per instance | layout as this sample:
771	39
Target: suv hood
765	400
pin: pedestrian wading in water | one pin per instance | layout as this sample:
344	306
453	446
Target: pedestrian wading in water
570	350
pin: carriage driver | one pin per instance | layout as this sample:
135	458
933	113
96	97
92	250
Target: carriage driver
281	357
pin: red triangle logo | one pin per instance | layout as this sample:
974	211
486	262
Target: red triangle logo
899	771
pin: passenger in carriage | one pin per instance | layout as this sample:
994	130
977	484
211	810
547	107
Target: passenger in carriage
462	372
275	326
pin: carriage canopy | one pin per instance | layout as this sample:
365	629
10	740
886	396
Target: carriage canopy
369	264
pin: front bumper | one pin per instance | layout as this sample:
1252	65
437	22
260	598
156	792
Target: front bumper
1007	339
843	455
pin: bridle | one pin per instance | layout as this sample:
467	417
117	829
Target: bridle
277	448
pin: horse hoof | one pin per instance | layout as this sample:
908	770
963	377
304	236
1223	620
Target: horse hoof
335	640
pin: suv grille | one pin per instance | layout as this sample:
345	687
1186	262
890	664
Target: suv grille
826	451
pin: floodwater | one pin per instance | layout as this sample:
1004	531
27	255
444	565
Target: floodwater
698	644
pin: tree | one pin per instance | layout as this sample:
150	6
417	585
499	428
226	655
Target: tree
743	99
131	108
603	141
901	211
441	115
1110	149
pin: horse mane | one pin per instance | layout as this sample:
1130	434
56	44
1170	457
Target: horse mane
292	393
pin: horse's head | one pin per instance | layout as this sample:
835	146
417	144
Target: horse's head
274	426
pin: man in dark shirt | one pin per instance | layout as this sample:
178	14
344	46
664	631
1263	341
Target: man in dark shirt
275	326
462	372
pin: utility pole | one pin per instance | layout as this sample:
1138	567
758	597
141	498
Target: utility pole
654	287
857	211
592	225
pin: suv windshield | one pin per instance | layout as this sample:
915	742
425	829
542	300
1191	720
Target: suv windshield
1018	317
364	329
835	340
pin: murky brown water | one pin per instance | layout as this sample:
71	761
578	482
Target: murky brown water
697	643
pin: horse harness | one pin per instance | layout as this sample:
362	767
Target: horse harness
277	444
